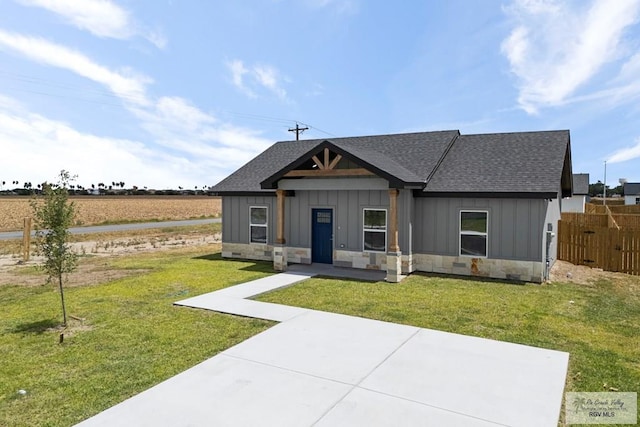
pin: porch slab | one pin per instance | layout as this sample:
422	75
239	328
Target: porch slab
329	270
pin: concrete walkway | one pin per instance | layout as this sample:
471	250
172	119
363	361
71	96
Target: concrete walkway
326	369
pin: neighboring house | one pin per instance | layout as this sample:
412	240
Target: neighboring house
580	196
631	192
485	205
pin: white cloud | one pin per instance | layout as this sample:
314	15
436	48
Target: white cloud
179	126
102	18
267	76
260	76
48	146
626	154
198	145
196	154
125	83
557	48
238	71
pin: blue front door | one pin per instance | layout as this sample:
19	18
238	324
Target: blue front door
322	236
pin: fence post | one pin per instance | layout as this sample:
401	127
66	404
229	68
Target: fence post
26	239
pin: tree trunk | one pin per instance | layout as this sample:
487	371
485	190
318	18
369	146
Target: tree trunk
64	310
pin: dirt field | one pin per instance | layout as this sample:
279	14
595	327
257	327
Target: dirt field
92	210
93	248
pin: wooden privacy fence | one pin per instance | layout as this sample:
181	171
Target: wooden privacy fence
590	208
609	248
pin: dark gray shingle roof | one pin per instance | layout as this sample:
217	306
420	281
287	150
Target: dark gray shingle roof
520	162
410	157
631	188
581	184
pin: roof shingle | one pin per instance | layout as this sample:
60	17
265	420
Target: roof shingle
521	162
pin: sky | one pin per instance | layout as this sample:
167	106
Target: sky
167	94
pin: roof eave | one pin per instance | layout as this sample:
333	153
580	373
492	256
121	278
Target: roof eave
489	194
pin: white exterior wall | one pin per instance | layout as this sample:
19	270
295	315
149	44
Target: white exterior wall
630	200
574	204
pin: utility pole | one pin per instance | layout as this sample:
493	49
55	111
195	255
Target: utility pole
298	130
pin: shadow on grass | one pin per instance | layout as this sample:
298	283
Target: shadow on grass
475	279
263	267
38	327
210	257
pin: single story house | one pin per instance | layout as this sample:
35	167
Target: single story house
580	196
631	191
485	205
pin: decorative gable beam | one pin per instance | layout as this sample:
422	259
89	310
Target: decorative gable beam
317	161
328	172
335	161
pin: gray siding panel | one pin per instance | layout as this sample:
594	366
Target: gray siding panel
515	226
235	217
353	218
347	206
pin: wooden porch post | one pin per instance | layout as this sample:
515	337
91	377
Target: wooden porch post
393	220
280	224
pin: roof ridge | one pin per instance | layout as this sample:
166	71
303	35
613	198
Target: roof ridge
517	132
320	140
442	157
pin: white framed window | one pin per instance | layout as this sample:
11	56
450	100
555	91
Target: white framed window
258	224
637	200
374	230
474	231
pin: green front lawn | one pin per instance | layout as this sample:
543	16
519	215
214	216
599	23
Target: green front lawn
599	324
132	336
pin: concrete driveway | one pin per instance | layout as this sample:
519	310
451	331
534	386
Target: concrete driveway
326	369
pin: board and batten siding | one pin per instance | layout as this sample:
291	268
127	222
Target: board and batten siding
235	218
347	208
347	215
515	226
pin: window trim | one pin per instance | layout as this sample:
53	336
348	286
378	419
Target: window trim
473	233
386	227
265	225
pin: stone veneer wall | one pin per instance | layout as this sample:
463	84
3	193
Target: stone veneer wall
365	260
299	255
407	264
264	252
527	271
247	251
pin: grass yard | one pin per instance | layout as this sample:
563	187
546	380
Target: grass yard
599	324
132	336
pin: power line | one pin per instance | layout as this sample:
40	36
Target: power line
85	89
298	130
